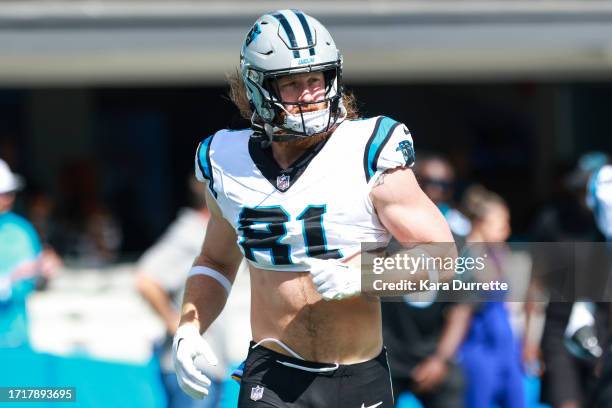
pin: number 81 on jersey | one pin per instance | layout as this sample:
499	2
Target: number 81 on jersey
263	229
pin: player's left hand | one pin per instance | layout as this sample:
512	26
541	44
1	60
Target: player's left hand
333	279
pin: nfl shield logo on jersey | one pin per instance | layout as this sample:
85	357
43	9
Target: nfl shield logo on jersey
257	393
282	182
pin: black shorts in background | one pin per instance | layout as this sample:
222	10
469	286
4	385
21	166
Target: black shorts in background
267	382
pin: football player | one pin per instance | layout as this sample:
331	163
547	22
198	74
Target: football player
296	195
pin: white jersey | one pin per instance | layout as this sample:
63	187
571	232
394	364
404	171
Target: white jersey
319	207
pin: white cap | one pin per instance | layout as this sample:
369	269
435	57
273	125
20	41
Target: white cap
9	181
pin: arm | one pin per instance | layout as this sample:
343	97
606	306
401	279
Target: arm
535	309
412	218
159	300
204	296
455	329
432	371
404	209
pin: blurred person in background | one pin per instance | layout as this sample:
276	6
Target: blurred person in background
422	337
86	232
40	208
436	177
20	251
573	332
162	271
599	200
490	354
581	332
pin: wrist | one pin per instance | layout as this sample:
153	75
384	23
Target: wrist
172	320
441	357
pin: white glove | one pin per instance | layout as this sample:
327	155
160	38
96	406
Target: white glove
333	279
187	346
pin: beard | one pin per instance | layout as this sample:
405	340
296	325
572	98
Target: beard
308	141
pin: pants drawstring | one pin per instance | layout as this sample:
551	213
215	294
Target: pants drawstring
296	355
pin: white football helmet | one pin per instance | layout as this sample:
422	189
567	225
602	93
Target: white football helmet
288	42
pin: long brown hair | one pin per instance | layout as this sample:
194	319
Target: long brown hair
237	94
477	201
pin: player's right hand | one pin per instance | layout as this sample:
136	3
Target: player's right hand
188	345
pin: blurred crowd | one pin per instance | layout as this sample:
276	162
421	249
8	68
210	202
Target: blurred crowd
443	354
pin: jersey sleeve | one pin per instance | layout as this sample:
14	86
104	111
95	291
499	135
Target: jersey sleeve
390	146
203	166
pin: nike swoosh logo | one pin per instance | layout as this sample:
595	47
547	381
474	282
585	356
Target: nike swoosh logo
371	406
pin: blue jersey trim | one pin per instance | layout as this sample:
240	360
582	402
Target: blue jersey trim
383	130
204	163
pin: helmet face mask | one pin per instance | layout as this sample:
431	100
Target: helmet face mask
273	49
